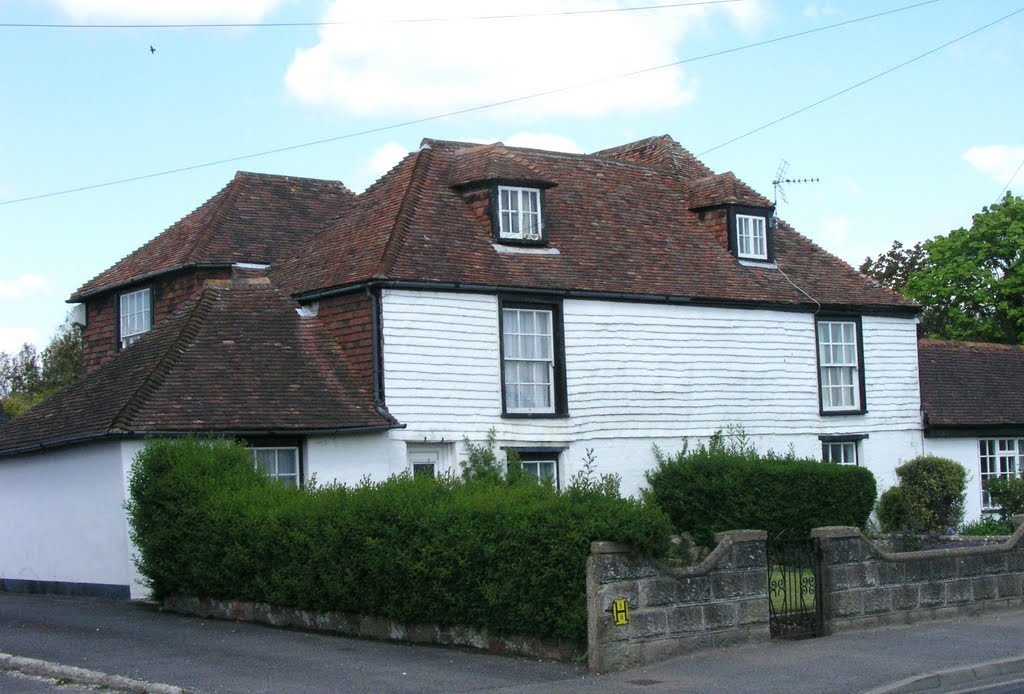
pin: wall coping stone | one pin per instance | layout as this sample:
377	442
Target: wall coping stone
610	548
835	532
742	536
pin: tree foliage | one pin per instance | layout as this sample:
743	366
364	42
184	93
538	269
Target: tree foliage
970	282
29	377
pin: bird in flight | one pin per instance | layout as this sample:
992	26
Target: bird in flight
152	50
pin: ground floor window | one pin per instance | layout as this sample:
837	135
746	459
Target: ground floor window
278	463
998	458
841	452
429	459
540	463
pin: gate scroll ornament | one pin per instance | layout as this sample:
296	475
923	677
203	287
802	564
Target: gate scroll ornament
794	587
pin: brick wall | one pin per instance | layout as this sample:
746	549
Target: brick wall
863	585
349	319
722	600
99	337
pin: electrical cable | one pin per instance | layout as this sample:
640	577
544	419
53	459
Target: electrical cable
862	83
350	22
1007	186
470	109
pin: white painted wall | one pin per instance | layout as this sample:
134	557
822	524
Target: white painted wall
639	374
347	459
965	452
63	518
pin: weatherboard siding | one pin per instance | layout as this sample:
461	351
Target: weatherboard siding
639	374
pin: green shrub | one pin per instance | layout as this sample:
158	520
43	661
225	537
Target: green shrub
728	485
506	557
932	492
1008	495
988	525
892	515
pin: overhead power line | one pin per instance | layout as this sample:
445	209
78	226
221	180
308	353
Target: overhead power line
883	73
1020	166
472	109
344	22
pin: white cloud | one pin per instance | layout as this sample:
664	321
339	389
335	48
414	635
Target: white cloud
998	161
551	142
827	10
11	339
386	157
167	10
24	286
370	68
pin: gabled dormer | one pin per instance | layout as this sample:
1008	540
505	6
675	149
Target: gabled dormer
740	218
512	189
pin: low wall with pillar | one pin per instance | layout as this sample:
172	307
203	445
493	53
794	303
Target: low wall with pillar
863	585
642	611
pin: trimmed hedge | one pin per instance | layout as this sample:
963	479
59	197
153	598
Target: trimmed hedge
721	487
928	499
509	558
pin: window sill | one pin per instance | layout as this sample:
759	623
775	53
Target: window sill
758	262
842	413
534	415
524	248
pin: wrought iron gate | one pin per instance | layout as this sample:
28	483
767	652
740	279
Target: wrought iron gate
794	588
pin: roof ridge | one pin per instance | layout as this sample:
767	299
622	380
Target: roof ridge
412	193
261	174
204	238
199	312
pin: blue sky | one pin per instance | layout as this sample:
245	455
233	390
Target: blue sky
907	156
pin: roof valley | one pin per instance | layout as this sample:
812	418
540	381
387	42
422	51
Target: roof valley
200	311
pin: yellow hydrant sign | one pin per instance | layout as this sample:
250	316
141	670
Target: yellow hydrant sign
620	612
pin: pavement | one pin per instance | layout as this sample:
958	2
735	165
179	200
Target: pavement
163	653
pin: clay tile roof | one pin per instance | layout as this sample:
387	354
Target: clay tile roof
724	189
493	162
618	226
256	218
238	360
971	385
661	152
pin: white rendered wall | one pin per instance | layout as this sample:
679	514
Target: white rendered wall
965	452
347	459
63	518
639	374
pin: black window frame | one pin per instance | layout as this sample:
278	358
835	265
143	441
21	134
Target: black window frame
561	408
769	232
855	439
862	391
117	313
532	454
494	207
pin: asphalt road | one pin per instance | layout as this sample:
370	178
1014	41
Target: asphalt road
209	656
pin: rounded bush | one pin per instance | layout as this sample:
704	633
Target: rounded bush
892	515
932	491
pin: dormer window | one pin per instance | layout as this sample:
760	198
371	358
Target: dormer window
751	237
519	215
750	234
136	311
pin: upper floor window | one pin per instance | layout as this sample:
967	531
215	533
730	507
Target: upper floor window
751	237
278	463
999	458
532	362
519	215
136	311
840	366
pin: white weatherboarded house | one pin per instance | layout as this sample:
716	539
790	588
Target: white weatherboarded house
572	303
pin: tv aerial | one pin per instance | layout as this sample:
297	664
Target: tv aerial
781	180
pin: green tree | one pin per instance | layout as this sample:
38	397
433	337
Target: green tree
28	377
894	267
969	282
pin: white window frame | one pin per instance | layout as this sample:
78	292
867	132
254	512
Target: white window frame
290	479
135	315
998	458
540	464
515	388
839	366
840	452
515	222
420	457
751	237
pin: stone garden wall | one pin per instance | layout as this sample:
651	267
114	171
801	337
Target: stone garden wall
642	611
